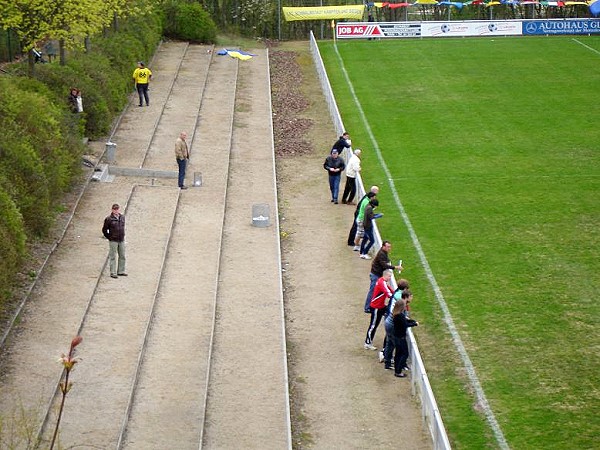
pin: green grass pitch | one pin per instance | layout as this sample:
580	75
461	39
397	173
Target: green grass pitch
494	149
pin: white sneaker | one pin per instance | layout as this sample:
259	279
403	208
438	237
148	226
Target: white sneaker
365	256
380	357
356	248
370	347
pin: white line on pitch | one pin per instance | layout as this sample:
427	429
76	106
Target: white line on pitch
475	383
586	46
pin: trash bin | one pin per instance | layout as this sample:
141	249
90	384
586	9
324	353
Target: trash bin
111	152
197	179
261	215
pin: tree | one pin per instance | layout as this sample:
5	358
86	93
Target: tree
68	21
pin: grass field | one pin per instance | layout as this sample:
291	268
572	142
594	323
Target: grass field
494	149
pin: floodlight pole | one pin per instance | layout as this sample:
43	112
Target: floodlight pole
321	4
279	20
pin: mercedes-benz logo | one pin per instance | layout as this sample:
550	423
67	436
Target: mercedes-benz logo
531	27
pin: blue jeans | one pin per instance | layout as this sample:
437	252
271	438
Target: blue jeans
334	186
143	93
181	163
388	347
367	241
373	279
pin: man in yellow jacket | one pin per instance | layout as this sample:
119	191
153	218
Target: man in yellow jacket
142	76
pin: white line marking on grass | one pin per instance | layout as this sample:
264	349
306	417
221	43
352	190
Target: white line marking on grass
586	46
475	383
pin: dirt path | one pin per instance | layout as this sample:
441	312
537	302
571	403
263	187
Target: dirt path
343	396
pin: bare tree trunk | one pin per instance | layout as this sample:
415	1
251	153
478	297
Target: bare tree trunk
61	52
30	63
115	22
88	44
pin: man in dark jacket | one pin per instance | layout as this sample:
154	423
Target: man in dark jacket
334	165
342	143
114	230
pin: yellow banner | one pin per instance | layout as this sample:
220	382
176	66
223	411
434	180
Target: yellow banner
324	12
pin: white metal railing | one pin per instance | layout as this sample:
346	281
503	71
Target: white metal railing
419	380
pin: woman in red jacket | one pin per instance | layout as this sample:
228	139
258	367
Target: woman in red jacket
381	293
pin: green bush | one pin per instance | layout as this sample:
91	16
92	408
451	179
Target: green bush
12	241
189	22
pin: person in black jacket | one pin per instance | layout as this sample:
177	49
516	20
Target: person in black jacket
334	165
342	143
114	230
401	324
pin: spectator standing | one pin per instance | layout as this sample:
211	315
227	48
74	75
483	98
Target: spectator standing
75	100
142	76
362	203
352	170
114	230
360	222
342	143
369	237
334	165
380	263
381	293
402	292
401	324
182	155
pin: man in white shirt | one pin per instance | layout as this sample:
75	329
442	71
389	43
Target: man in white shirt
352	169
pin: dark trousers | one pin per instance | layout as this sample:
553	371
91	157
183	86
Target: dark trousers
372	280
349	190
352	233
401	356
143	93
376	315
181	163
367	242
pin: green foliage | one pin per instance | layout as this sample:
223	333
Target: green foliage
189	21
12	239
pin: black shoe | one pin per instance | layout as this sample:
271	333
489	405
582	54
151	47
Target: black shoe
112	275
388	367
335	202
122	274
332	200
368	311
400	375
140	104
182	187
